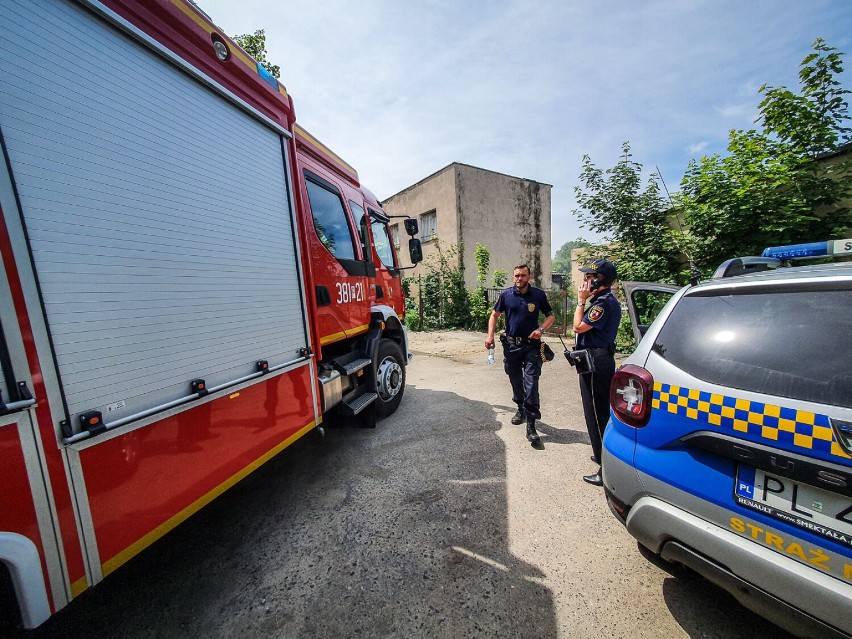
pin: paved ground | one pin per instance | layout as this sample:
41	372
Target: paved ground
443	523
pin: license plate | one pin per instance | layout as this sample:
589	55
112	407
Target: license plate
814	509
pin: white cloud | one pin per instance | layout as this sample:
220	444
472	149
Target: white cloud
697	149
746	111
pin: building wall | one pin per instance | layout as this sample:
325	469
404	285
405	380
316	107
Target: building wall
839	163
508	215
576	264
435	193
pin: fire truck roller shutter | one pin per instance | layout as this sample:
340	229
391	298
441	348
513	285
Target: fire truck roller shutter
157	213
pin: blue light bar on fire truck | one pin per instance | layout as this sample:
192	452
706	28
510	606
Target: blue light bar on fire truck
811	250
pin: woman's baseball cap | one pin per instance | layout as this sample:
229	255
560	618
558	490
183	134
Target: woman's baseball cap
604	267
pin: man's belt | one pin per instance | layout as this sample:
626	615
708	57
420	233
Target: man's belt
606	350
518	341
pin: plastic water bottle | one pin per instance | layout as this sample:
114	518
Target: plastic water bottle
490	356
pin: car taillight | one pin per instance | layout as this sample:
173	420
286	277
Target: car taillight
630	395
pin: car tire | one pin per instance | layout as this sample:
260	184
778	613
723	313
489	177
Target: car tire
390	378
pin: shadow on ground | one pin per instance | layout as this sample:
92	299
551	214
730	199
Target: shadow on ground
393	532
704	610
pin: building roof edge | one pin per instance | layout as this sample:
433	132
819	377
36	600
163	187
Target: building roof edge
454	164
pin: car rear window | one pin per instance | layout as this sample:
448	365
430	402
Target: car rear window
789	344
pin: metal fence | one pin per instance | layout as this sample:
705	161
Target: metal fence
491	294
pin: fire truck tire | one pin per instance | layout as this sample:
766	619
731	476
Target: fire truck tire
390	378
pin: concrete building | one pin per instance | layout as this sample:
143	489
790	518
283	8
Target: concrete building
465	204
839	165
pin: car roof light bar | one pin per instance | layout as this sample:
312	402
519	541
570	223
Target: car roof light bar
810	250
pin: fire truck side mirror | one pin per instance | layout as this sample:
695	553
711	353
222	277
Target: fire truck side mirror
411	226
415	250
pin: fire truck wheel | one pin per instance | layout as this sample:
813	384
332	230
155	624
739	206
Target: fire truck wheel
390	378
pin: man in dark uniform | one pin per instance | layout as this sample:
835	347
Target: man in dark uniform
595	329
522	361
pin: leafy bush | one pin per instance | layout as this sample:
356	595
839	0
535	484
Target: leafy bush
447	302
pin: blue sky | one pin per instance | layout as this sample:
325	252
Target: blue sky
402	89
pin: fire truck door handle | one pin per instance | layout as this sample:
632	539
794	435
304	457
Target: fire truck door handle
25	402
24	392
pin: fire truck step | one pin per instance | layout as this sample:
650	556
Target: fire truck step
357	404
351	363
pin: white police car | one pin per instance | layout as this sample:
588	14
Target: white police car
729	447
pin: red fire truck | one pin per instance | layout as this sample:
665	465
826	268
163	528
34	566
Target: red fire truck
189	283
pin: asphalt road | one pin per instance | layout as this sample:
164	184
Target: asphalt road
443	522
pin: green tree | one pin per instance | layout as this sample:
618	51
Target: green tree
562	258
499	278
412	308
446	302
478	296
635	221
255	45
772	188
483	261
814	121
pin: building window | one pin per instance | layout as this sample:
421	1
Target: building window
395	234
428	226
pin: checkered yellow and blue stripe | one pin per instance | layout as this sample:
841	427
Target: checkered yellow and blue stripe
795	429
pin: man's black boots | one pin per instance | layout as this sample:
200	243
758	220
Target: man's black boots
532	435
518	418
594	480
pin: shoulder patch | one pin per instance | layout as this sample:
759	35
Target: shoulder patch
596	312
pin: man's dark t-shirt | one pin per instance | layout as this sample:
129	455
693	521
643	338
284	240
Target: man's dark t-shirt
522	310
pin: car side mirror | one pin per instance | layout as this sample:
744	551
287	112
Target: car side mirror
411	226
415	250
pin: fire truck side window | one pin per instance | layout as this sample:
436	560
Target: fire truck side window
330	221
358	214
383	243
